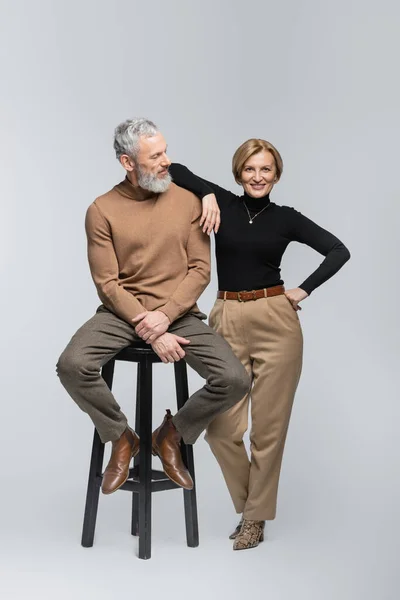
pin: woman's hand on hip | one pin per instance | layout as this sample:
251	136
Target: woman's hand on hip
211	217
295	296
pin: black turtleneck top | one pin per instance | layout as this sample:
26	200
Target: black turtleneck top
249	255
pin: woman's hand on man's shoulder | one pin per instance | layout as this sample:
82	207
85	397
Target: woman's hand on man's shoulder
211	215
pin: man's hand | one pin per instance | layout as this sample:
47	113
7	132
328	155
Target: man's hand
152	324
168	347
295	296
210	217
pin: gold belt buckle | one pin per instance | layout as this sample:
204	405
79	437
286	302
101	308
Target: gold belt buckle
254	295
239	295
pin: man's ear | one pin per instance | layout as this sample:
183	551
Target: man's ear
127	163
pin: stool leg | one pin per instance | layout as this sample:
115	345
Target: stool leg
94	481
189	496
135	496
93	490
145	393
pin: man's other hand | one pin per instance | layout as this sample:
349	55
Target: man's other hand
169	347
151	324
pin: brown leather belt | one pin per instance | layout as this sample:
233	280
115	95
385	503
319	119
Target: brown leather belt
245	296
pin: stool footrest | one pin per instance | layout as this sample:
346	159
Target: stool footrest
159	483
165	484
156	486
134	473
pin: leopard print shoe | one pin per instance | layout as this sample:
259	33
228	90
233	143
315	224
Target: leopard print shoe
238	528
250	535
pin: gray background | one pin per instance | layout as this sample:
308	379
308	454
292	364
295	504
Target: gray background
318	79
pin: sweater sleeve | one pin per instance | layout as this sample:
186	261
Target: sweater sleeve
336	254
198	274
104	267
198	186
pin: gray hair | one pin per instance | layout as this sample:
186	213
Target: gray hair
128	133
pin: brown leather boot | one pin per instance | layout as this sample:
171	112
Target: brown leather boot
166	445
238	528
117	470
250	535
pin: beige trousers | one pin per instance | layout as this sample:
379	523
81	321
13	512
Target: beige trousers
266	336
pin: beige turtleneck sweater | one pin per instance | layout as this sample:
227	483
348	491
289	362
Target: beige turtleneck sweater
147	251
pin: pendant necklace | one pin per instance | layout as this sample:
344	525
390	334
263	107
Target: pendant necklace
251	219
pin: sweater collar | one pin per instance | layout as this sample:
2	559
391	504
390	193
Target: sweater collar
255	203
134	192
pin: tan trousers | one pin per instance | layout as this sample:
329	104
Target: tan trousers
266	336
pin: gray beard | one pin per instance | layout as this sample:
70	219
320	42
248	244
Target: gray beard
152	183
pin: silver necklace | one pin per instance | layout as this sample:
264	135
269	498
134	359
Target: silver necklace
251	219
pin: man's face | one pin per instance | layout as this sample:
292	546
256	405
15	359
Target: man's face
152	164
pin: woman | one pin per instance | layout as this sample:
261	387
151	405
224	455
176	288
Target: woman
261	324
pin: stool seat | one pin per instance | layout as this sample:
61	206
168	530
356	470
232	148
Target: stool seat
136	350
142	480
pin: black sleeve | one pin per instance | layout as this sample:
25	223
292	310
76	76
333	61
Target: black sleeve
200	187
336	254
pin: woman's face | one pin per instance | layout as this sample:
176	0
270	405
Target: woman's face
259	174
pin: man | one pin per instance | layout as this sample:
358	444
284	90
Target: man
150	261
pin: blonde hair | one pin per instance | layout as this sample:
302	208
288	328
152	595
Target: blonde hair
247	149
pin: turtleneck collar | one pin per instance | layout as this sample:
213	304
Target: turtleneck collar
255	203
134	192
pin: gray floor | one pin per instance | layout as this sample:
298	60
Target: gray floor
318	548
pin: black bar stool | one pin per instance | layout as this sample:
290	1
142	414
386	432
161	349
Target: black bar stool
143	480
